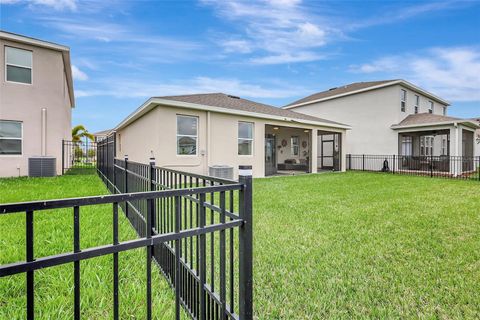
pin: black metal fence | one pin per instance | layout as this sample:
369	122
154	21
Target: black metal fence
451	167
78	155
211	273
197	229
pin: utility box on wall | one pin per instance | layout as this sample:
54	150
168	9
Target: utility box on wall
42	167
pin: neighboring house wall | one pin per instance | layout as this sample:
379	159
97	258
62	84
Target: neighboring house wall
477	144
24	103
217	140
371	114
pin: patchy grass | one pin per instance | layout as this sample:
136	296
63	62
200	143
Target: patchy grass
54	235
366	245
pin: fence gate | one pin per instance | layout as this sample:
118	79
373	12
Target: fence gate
78	155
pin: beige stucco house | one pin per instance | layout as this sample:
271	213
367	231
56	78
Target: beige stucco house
36	101
392	117
196	132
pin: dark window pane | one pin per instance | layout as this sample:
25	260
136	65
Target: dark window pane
186	145
18	74
244	147
245	130
10	146
186	126
10	129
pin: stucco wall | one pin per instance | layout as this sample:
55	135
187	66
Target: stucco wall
217	140
24	102
370	114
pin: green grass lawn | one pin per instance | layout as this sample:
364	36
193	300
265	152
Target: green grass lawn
366	245
54	235
335	245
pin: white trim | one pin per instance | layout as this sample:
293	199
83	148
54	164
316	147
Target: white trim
188	135
431	124
153	102
387	84
32	41
252	139
9	138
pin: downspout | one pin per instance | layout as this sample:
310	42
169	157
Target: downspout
207	153
44	132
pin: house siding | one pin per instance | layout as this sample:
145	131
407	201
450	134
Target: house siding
23	102
217	140
370	114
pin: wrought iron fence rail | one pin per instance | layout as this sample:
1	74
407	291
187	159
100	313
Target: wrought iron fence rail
451	167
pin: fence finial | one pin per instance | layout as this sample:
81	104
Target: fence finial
245	170
126	157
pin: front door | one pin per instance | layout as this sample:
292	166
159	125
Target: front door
270	155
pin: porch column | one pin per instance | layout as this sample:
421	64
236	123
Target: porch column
314	150
343	149
455	149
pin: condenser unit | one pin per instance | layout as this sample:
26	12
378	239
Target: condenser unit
42	167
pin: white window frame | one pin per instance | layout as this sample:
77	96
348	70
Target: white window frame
19	66
186	135
417	103
292	146
444	112
245	139
403	100
430	106
21	140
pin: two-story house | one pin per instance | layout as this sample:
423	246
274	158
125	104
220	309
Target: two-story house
36	101
393	117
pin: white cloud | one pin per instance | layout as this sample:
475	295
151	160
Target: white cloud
121	88
78	74
280	31
452	73
55	4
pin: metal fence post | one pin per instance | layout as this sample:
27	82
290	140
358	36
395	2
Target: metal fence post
393	164
153	187
431	165
245	244
363	162
126	183
350	162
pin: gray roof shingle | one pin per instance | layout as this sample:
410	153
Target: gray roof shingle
236	103
425	118
340	90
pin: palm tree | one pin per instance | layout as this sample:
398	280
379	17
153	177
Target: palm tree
79	132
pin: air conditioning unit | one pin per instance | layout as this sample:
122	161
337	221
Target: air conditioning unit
221	171
42	167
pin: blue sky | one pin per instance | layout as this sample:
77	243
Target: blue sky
272	51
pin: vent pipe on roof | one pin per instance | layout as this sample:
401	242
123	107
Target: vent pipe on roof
44	132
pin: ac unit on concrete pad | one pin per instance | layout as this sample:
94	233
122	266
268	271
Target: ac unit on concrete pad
42	167
221	171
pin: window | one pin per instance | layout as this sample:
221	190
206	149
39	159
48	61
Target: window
245	138
294	146
444	111
417	103
426	145
18	65
187	127
403	100
10	137
445	145
407	146
430	106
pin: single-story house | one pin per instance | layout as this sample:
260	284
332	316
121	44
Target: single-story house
198	132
